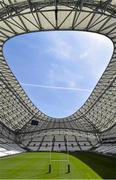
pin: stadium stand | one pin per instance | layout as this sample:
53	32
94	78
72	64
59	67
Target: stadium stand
93	126
8	145
60	142
10	149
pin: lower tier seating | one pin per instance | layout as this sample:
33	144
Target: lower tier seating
8	147
106	148
59	143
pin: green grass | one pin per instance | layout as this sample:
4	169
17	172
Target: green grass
84	165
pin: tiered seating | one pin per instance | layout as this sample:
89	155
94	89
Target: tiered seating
72	146
72	143
8	147
107	149
46	145
108	146
2	152
59	142
7	142
108	140
92	141
85	145
34	144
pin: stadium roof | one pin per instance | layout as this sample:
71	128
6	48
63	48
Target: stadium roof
20	17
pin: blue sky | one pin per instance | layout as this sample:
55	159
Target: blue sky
58	70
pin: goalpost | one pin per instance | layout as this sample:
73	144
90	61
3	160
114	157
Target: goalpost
64	157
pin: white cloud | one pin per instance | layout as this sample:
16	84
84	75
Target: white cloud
79	49
61	50
83	55
62	47
87	50
61	74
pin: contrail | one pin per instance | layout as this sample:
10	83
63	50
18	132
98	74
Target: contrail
55	87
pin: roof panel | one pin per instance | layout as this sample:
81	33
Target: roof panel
97	114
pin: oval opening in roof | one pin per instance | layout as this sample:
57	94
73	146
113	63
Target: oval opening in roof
58	70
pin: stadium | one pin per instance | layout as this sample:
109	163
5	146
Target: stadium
34	145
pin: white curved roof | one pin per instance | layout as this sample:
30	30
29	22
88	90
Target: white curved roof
20	17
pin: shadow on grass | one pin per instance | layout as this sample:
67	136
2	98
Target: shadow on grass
103	165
